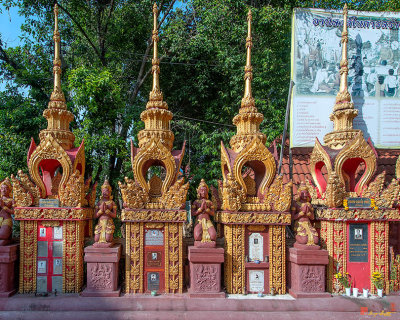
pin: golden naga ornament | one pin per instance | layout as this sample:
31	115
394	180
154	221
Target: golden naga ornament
151	188
56	167
249	168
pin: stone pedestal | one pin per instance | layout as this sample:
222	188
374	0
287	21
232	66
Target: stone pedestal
308	272
8	256
102	271
205	272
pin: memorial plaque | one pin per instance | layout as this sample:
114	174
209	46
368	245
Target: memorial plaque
49	203
56	284
57	249
256	247
42	232
154	237
359	202
57	266
41	284
358	243
256	280
57	233
42	248
42	266
153	259
153	281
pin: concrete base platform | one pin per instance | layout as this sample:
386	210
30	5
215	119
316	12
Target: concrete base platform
94	293
180	307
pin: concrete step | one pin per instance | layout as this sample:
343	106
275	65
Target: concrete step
181	315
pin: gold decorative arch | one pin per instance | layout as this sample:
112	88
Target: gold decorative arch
49	149
398	168
80	158
225	162
319	155
357	148
154	150
255	151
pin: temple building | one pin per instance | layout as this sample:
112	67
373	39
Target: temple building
154	202
255	204
54	205
354	203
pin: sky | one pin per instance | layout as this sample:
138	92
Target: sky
10	25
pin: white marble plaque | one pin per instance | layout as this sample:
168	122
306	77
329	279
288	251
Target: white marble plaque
256	247
42	232
41	266
57	233
256	280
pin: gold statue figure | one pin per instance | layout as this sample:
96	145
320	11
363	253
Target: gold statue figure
106	210
6	210
303	214
204	231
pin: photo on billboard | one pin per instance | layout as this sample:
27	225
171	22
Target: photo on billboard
373	78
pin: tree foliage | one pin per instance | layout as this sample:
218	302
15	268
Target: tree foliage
106	53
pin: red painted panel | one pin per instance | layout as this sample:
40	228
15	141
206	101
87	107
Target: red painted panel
152	264
49	237
360	271
263	265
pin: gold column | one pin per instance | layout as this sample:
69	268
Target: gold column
238	258
277	266
28	256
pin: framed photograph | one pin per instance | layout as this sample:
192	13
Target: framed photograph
358	234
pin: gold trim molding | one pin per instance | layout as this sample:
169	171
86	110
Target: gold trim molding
53	213
253	218
146	215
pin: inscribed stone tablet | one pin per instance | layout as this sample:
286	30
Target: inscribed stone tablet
42	248
256	280
41	284
153	281
358	242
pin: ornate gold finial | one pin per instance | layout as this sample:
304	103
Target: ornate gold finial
248	120
248	100
202	184
57	115
156	96
343	111
57	94
156	117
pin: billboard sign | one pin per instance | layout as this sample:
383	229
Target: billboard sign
374	74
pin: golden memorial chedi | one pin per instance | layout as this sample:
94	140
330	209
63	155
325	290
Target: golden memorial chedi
255	203
342	171
54	205
154	202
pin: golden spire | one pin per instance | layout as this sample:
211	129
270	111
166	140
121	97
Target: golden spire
248	100
343	111
57	115
248	120
156	96
156	117
57	94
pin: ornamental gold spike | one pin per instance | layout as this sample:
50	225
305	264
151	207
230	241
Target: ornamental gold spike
57	115
248	99
156	117
57	94
343	111
156	96
248	120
